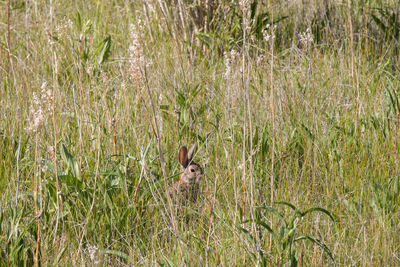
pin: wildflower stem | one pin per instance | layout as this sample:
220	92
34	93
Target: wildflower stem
35	198
77	119
8	36
17	155
94	194
59	199
272	106
244	23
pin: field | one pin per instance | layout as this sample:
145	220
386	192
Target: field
293	105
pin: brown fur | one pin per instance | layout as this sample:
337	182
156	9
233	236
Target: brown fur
188	186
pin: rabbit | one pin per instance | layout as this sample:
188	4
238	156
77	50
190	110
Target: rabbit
188	186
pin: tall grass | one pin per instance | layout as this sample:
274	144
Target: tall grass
289	102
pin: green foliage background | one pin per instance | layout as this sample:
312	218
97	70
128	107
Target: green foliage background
288	101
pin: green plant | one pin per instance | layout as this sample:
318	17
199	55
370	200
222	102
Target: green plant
89	128
15	238
285	234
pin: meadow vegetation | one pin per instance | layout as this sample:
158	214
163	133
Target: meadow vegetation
294	107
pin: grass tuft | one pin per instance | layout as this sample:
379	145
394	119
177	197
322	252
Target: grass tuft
294	107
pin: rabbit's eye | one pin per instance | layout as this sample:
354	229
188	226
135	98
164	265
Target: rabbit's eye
192	170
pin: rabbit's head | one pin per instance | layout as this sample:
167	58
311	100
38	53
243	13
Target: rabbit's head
192	172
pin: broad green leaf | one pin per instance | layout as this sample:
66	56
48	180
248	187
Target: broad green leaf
69	160
104	49
286	204
318	209
59	256
274	211
261	223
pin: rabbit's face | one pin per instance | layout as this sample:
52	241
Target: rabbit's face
193	174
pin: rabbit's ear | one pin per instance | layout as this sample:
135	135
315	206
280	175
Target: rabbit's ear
191	152
183	156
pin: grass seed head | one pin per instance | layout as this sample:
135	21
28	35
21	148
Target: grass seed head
42	105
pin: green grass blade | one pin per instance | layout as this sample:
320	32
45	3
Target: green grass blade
320	210
318	242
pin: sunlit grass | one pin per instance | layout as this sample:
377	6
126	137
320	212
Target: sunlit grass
96	92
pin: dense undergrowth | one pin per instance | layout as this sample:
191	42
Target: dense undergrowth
293	105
